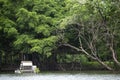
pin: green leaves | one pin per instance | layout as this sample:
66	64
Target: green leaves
43	46
27	19
69	58
11	31
39	19
34	23
22	43
44	29
21	39
5	22
8	27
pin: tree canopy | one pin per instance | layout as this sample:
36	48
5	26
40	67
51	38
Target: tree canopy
90	27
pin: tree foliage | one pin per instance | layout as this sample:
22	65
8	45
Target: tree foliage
91	30
41	26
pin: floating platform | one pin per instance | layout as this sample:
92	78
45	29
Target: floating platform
26	67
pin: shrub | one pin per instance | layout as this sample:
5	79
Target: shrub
37	70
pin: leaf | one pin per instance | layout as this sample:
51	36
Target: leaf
12	32
48	54
44	29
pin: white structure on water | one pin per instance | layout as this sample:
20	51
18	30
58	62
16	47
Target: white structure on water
26	67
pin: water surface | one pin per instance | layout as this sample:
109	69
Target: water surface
62	76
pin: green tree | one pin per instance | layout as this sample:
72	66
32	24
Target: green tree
87	30
8	30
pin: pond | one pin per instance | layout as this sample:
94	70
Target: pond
62	76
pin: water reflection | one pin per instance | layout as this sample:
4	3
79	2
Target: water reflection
60	76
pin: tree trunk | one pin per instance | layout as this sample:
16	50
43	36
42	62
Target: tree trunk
97	59
114	56
106	66
89	55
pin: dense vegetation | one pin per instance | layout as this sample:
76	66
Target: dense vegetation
60	34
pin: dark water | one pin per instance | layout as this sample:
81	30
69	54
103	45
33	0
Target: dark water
62	76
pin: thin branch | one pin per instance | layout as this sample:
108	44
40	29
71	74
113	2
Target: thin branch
73	47
99	10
